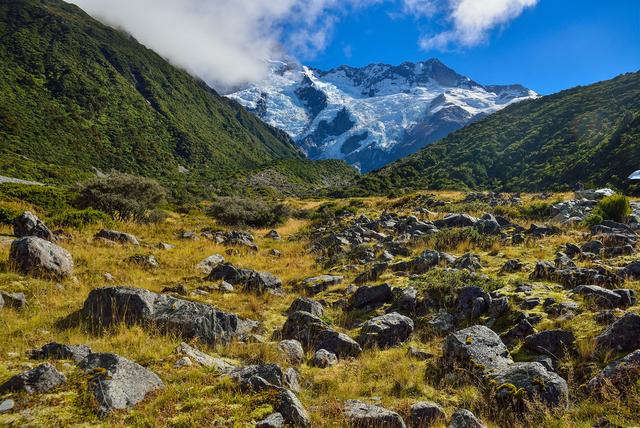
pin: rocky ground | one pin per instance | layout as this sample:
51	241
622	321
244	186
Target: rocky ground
445	309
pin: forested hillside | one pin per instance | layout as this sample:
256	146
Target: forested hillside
77	95
587	134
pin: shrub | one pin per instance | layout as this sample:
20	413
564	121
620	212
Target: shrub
536	210
49	199
235	211
7	215
329	212
128	197
442	286
615	207
155	216
593	219
80	218
451	239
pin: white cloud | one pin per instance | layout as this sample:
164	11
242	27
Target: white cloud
472	20
420	8
225	41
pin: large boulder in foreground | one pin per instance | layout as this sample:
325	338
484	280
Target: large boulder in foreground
535	380
39	379
386	330
463	418
249	279
480	350
116	382
622	335
363	415
476	347
28	224
292	410
36	256
315	334
620	374
109	305
60	351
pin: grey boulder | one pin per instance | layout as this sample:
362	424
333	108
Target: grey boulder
463	418
259	376
116	382
606	298
307	305
367	297
323	359
28	224
110	305
292	351
292	410
318	284
13	300
39	379
39	257
554	343
535	379
274	420
337	343
313	333
620	373
425	414
114	235
203	359
477	348
363	415
622	335
386	330
60	351
249	279
206	265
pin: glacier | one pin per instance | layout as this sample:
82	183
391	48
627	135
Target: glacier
372	115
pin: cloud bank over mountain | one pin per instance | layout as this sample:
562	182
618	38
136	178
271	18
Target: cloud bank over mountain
225	42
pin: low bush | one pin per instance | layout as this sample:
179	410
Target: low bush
7	215
593	219
442	286
615	207
452	239
536	210
326	213
80	218
49	199
235	211
124	196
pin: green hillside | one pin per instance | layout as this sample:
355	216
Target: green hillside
77	95
587	134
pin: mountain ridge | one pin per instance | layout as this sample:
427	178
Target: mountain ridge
586	135
390	108
77	95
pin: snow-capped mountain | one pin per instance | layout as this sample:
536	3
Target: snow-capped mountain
373	115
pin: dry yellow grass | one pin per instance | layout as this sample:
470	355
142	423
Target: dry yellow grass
196	396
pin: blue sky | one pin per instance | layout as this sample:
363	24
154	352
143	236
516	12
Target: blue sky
547	45
551	46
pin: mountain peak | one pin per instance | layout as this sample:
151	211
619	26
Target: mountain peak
374	114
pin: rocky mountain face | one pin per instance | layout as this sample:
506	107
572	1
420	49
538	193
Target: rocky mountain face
373	115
